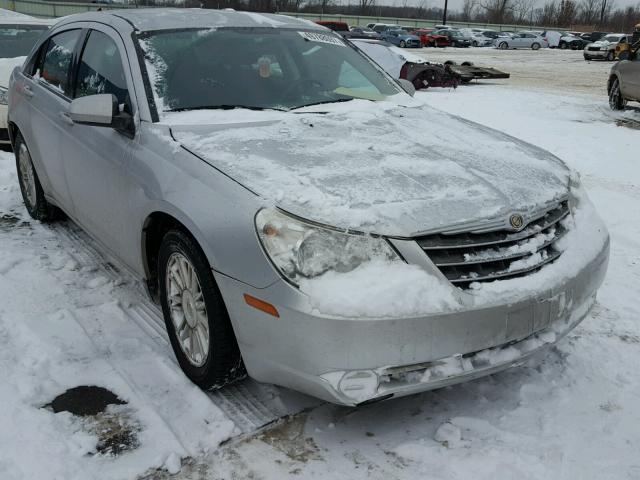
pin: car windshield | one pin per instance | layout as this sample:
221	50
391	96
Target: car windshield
612	38
17	40
257	68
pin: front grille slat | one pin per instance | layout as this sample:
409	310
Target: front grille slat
468	257
466	240
442	258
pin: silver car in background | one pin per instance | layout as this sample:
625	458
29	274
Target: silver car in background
521	40
267	182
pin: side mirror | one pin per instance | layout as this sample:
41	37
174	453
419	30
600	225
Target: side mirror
407	86
101	110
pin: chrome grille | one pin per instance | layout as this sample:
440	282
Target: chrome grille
480	257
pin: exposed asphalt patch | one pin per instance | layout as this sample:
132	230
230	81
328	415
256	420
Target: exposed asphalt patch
627	122
84	401
103	414
9	221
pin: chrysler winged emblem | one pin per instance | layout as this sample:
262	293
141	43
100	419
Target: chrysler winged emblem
516	221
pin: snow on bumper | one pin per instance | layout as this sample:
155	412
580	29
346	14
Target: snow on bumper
355	359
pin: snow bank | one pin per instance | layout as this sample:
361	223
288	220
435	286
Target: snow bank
63	323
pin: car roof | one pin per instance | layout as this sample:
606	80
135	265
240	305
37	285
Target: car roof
146	19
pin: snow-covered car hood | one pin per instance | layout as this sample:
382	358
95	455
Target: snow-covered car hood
375	166
6	67
603	43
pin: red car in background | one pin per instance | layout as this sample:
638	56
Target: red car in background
429	39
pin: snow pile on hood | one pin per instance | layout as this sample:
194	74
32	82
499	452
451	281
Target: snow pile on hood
375	166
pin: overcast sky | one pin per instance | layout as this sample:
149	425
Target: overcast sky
457	4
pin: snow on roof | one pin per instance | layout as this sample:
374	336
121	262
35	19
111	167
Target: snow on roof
165	18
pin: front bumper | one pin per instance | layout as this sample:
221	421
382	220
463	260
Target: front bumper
357	360
595	54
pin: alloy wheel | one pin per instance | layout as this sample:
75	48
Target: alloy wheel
187	309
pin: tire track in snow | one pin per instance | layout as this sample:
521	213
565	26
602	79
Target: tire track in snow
247	403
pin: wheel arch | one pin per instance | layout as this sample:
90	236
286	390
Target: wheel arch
154	228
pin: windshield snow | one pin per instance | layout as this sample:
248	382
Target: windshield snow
257	68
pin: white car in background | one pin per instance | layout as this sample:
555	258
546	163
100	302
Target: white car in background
18	34
521	40
605	48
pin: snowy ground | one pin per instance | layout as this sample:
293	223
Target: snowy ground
68	318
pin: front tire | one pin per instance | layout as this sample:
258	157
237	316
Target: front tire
195	315
616	100
32	193
503	46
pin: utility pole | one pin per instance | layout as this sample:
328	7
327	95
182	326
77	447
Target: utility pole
444	15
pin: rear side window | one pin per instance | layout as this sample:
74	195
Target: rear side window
100	69
58	59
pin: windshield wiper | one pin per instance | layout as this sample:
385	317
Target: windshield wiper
224	107
338	100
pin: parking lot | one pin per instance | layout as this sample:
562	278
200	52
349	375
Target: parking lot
567	414
544	69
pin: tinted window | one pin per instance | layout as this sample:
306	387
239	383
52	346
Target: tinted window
17	40
56	65
100	69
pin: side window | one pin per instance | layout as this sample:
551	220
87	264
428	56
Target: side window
57	60
100	69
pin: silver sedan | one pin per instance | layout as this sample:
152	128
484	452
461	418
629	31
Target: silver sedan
268	183
521	40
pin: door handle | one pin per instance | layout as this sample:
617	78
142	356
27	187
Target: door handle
66	118
27	91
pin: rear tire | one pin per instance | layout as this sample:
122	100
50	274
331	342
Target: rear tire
616	100
402	44
32	193
195	315
535	46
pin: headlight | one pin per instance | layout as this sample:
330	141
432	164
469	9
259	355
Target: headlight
302	250
4	96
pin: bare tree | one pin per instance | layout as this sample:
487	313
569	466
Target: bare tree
366	5
523	10
496	10
468	9
588	11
